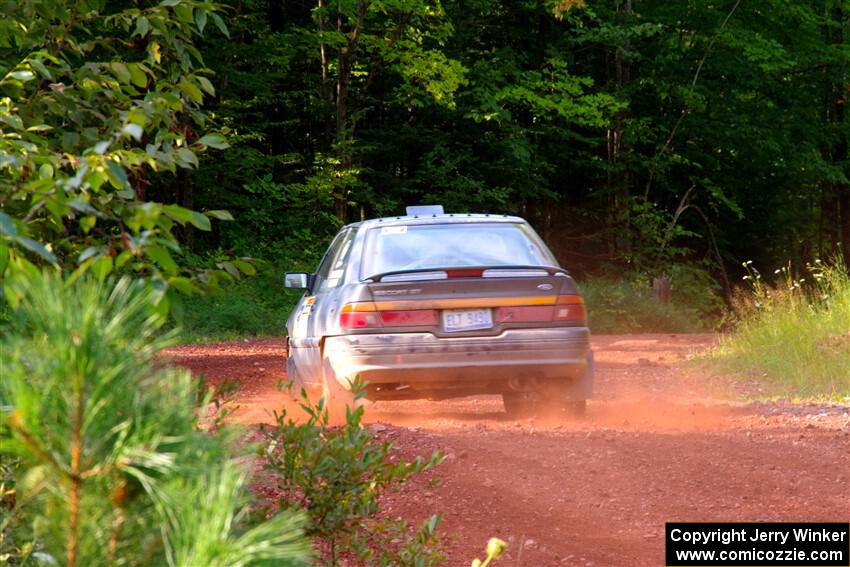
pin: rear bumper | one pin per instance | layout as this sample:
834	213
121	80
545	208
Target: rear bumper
420	364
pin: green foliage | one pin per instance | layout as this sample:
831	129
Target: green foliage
338	475
95	100
113	465
633	135
794	336
630	306
255	306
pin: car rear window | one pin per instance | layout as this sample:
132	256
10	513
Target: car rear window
426	246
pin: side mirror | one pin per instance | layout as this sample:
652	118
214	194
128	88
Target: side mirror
296	280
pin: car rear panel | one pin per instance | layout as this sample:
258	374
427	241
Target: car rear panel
512	302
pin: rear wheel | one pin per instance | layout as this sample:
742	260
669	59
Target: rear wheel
519	404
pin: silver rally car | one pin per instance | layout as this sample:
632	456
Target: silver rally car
436	306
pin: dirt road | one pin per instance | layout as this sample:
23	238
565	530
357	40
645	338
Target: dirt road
661	442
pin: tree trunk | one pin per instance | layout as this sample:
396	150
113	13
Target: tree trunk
343	133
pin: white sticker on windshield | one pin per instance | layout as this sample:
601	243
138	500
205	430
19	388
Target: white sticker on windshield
394	230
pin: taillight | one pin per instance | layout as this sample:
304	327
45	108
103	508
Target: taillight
359	316
524	314
569	308
413	318
364	315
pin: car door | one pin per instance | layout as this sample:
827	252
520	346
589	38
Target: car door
307	325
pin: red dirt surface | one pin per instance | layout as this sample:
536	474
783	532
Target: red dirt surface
661	442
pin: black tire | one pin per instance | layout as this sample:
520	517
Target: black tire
518	405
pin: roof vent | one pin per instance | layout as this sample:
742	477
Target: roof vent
425	210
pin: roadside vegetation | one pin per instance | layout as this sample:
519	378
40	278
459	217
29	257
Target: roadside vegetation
162	163
793	336
630	305
108	457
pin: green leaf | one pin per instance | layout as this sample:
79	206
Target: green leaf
187	156
36	247
137	75
181	284
184	215
142	27
214	141
219	23
183	12
7	225
12	120
133	130
121	72
4	256
87	223
45	171
23	75
244	267
82	206
206	85
161	256
117	175
39	66
102	266
201	19
89	252
191	90
220	215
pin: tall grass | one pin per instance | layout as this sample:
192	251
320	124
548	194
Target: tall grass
793	335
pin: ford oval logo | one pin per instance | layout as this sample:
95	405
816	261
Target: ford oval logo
544	287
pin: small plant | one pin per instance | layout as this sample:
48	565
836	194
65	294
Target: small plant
337	474
495	549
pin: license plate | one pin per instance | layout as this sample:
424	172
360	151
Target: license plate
466	319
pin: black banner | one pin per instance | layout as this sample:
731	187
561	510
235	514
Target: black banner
755	544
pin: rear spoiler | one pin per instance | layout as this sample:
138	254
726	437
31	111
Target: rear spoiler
551	270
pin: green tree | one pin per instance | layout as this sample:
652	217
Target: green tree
96	98
115	466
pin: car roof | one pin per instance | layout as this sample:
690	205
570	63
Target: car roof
449	218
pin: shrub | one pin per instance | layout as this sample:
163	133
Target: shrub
113	466
630	306
794	334
337	474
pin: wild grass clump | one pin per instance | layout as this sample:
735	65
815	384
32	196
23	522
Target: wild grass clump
794	334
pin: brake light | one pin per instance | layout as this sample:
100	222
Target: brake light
413	318
569	308
364	315
524	314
